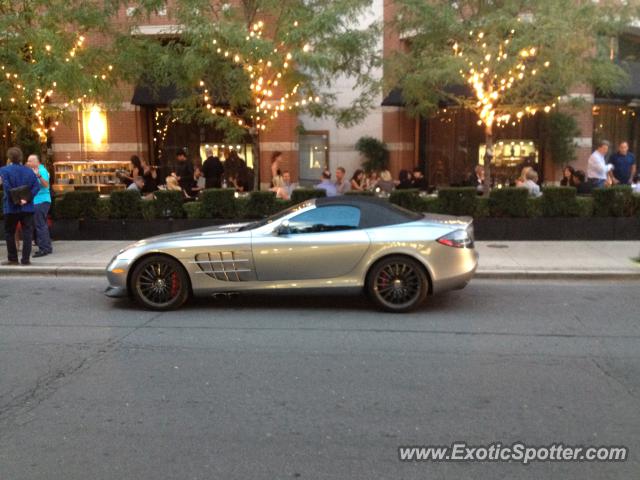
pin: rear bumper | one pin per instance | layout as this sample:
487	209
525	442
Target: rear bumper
457	273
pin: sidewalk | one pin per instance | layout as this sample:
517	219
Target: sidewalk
499	260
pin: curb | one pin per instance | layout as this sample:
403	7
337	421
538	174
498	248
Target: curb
56	271
89	271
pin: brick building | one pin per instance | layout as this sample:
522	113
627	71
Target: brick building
446	146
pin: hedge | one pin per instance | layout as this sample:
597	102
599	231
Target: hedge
559	202
218	203
508	202
617	201
303	194
193	209
126	204
365	193
261	203
459	201
169	204
77	204
408	198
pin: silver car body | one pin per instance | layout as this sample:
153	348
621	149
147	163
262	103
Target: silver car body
229	259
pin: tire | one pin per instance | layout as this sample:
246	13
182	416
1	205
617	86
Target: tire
159	282
397	284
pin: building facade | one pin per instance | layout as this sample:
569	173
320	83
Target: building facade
446	146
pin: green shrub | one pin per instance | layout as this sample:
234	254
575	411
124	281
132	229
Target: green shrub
218	203
76	205
613	201
429	204
508	202
409	198
102	209
303	194
149	209
458	201
126	204
636	203
193	209
366	193
261	203
584	206
168	204
482	208
559	202
375	153
535	207
281	205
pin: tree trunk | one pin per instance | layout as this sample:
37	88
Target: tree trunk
488	155
256	160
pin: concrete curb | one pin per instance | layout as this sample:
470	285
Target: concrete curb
92	271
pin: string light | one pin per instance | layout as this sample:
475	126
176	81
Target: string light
490	85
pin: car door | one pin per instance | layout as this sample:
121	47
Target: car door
324	242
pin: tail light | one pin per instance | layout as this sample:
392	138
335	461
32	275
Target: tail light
457	239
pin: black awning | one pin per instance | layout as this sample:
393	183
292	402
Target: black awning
396	99
147	96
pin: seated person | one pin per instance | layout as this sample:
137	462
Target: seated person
326	184
285	190
635	184
531	183
138	186
582	186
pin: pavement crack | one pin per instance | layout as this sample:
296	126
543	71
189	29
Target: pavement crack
49	383
608	374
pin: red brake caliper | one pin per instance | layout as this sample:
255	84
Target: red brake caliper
175	284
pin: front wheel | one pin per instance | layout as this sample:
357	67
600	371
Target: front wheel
397	284
159	283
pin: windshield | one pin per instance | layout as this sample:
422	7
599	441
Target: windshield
273	218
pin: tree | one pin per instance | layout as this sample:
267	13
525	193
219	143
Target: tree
239	67
516	58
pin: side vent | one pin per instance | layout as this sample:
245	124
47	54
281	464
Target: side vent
226	266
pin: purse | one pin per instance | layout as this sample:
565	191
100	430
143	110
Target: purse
17	194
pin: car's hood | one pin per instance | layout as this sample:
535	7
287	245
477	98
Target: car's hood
197	233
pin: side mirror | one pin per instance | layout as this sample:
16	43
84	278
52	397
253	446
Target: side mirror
283	228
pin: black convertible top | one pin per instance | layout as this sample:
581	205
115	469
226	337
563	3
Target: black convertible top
374	211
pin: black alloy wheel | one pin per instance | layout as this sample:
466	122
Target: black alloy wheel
397	284
159	282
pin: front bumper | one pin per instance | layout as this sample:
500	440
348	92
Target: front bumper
116	292
117	272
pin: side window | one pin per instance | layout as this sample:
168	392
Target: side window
326	219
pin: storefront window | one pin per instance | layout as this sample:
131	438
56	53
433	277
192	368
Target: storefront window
313	156
453	143
616	123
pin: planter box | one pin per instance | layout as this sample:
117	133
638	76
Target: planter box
572	228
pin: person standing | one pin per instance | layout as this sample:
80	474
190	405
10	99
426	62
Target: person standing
597	168
184	172
18	208
212	170
342	185
276	173
624	165
41	205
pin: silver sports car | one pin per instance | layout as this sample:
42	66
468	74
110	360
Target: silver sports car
396	256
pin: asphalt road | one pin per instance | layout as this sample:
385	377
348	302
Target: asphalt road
316	388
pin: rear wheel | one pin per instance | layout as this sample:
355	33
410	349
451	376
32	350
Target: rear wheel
397	284
159	282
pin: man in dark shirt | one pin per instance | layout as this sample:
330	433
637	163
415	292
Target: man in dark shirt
184	172
418	180
212	170
624	165
16	175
